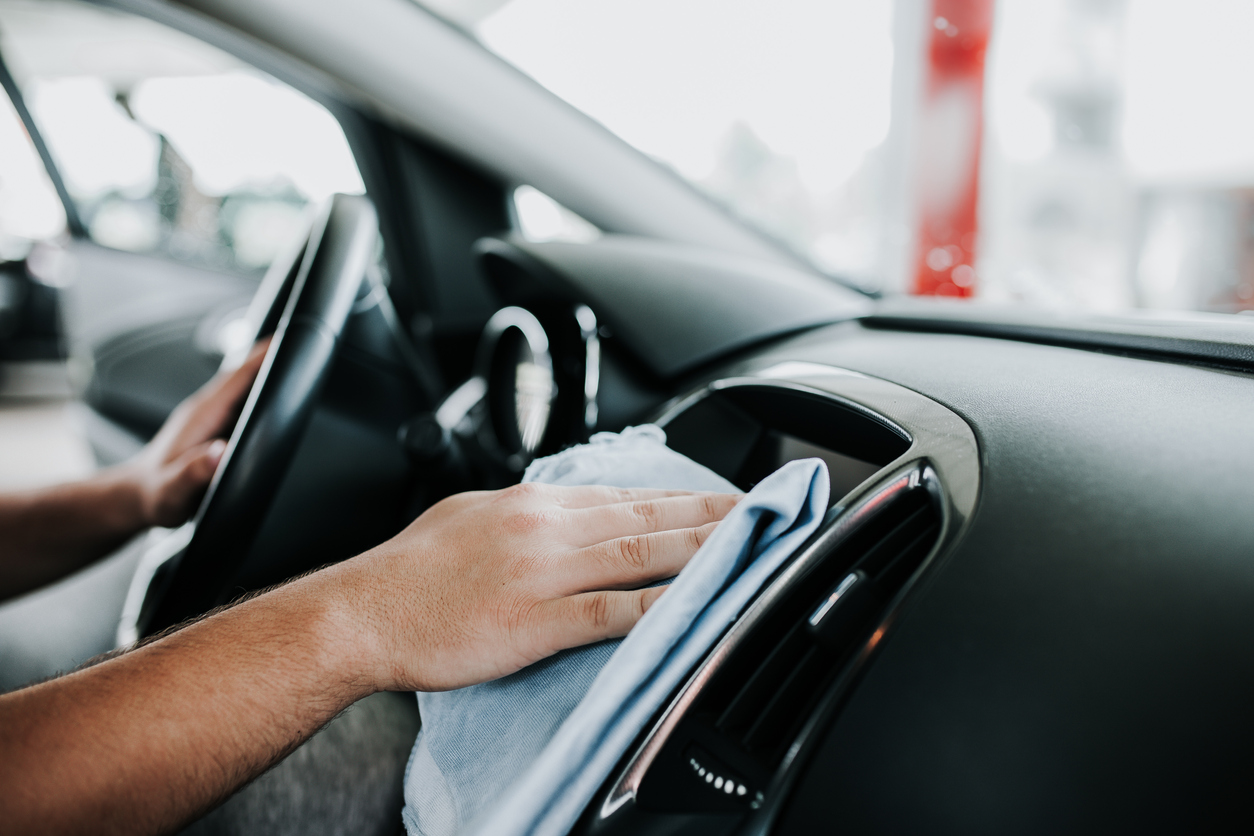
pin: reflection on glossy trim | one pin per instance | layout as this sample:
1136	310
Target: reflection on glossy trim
841	524
592	364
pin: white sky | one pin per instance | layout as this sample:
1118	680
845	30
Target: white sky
1189	113
239	129
1184	71
96	147
812	78
29	207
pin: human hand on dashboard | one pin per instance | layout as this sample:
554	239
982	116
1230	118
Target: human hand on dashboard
170	474
479	586
486	583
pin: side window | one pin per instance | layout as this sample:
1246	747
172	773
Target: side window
167	145
29	207
539	217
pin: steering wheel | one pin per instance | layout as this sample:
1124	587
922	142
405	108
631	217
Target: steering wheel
305	302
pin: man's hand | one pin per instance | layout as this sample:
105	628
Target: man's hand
170	474
483	584
477	587
47	534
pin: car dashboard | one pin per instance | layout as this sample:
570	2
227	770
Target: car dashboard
1027	609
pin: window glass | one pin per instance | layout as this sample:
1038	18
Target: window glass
778	110
1119	170
169	145
1101	150
541	218
29	207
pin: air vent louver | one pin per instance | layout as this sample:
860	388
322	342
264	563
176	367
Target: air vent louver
754	706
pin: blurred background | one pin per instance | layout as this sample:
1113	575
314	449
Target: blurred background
1075	153
184	171
1079	154
1092	153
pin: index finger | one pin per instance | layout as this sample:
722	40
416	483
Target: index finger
215	404
592	496
233	385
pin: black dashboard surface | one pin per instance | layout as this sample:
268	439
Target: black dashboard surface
1084	658
673	307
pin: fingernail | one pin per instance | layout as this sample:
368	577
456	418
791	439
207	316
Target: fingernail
215	451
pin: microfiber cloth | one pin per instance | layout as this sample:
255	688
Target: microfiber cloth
526	753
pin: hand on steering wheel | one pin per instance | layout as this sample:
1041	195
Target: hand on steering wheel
305	303
173	470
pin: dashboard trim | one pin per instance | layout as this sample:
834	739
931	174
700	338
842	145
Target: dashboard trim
943	457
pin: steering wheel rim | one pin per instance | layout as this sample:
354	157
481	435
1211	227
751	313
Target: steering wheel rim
332	265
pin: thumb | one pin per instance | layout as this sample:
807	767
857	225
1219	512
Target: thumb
189	475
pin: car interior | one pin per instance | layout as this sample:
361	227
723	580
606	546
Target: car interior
1028	608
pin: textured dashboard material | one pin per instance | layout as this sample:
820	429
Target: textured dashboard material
1083	660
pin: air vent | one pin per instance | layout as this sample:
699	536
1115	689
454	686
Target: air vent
736	732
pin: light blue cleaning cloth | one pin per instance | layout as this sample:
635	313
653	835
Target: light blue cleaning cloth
525	754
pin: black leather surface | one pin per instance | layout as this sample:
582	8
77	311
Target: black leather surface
1084	660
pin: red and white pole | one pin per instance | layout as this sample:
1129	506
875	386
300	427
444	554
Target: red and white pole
948	149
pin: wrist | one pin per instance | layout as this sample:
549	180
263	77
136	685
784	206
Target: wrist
349	640
119	497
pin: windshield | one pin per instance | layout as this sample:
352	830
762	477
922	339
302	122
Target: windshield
1075	153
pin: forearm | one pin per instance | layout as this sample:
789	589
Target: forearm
150	739
49	533
46	534
479	586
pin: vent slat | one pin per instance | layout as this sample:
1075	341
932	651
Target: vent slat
893	543
898	571
786	709
754	706
750	701
764	691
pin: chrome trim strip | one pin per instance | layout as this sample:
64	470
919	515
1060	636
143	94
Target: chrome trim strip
937	433
537	340
591	364
677	407
816	618
504	319
460	401
163	545
791	369
793	386
762	819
